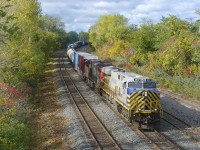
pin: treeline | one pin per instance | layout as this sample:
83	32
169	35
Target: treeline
168	51
27	39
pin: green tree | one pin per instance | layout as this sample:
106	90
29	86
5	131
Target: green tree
26	40
54	25
29	37
7	27
84	36
143	40
51	24
72	37
109	36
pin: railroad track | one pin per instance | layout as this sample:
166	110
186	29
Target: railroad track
159	141
179	124
100	137
155	139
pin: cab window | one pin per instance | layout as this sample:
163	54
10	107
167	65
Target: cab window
149	85
134	85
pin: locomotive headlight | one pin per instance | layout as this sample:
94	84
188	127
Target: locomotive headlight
145	94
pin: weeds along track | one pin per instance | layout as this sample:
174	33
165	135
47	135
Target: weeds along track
184	127
99	136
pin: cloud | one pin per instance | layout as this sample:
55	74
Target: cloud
79	15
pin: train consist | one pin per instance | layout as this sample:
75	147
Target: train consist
134	96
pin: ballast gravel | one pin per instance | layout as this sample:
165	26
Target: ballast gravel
181	140
186	113
75	135
182	111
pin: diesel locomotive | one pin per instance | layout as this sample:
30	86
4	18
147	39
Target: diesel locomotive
135	96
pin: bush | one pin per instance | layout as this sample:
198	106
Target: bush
13	135
13	131
186	86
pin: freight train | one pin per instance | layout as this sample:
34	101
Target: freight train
135	96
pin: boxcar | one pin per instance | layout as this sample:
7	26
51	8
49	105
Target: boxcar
76	53
82	59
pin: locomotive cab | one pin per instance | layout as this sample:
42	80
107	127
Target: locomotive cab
138	96
144	99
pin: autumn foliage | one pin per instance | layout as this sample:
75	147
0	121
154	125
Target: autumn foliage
13	104
169	51
27	38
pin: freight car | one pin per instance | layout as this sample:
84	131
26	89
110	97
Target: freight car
134	96
81	62
70	54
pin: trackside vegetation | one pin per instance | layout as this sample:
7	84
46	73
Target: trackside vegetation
168	51
27	39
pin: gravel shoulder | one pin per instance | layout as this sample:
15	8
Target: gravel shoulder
185	109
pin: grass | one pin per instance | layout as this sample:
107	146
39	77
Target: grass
188	87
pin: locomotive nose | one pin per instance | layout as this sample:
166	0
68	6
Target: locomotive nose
149	102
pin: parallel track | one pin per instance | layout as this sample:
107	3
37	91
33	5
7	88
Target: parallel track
181	125
159	141
156	139
100	137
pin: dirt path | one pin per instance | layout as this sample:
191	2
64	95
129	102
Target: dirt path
46	121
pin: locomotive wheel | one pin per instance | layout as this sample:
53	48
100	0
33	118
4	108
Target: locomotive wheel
119	109
139	125
129	119
125	113
101	92
93	86
84	78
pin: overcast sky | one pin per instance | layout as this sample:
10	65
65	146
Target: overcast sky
79	15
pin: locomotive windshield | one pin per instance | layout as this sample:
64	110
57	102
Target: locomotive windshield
142	85
149	85
134	85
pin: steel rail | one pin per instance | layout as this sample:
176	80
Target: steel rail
159	142
96	135
181	125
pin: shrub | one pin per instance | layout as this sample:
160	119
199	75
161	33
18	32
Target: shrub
13	135
186	86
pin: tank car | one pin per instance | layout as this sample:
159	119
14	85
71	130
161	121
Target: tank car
70	54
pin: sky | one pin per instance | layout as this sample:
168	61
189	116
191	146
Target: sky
79	15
